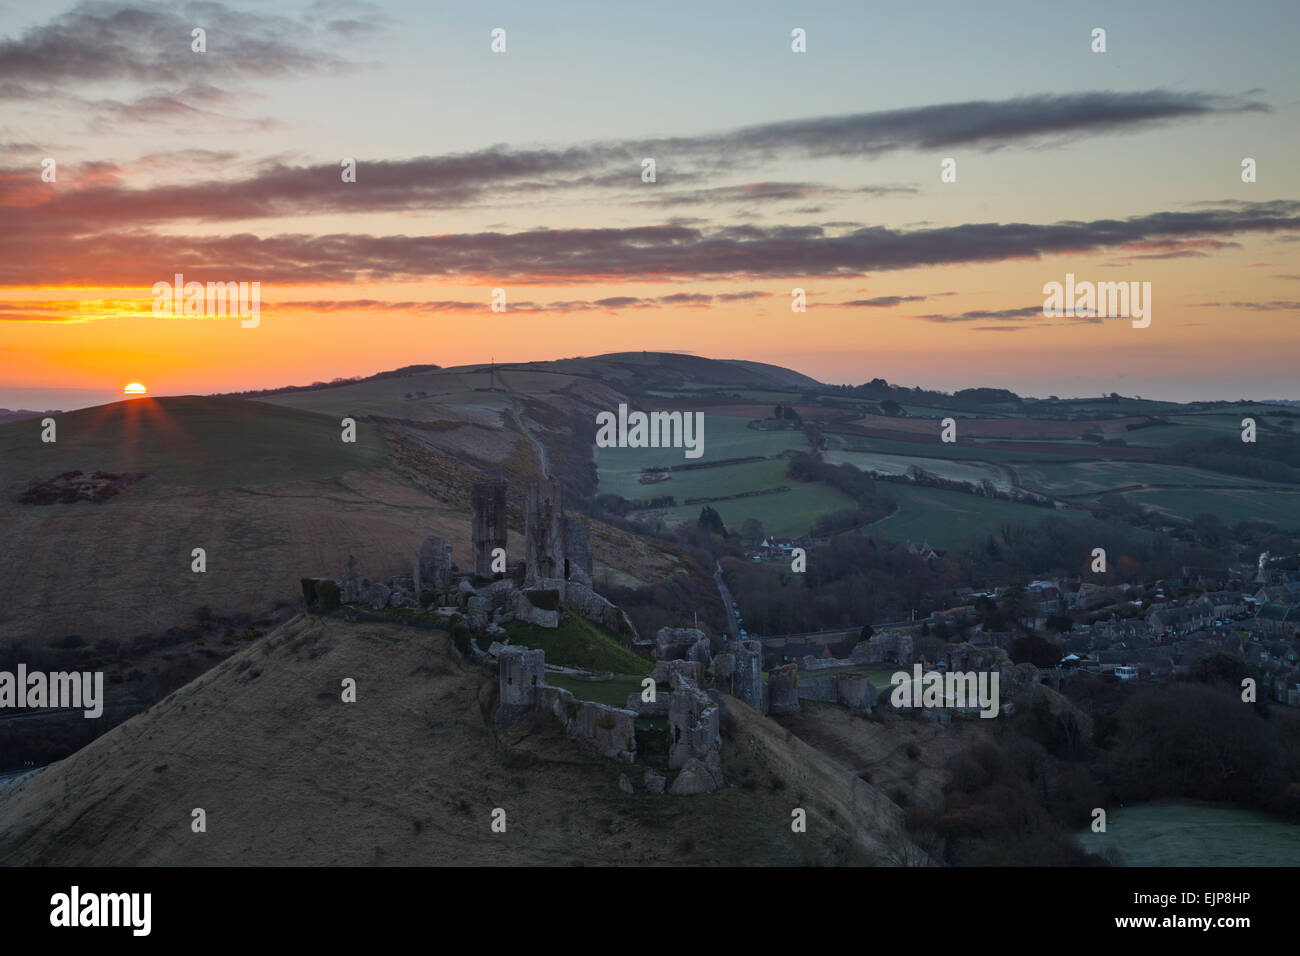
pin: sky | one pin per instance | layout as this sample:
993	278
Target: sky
774	170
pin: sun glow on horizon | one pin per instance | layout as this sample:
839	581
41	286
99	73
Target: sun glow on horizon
135	388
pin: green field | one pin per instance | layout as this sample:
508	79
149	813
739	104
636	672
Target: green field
786	515
724	437
1190	835
192	442
700	482
1091	477
948	519
613	692
971	471
968	450
1281	506
1162	436
1200	426
1103	406
929	411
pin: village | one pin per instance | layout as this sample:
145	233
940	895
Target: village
1153	632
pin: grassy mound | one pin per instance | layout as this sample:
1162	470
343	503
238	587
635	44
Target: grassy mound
578	642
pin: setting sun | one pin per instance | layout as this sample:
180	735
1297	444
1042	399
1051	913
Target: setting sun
135	388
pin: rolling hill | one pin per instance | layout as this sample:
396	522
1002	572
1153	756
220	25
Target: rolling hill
410	773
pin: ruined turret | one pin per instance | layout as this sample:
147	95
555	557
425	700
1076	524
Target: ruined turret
489	531
544	531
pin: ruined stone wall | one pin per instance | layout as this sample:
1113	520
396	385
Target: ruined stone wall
609	731
694	737
891	647
521	672
544	531
577	551
747	676
581	599
676	643
432	565
855	692
782	689
489	523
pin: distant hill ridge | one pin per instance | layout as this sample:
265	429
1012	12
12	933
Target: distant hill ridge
640	369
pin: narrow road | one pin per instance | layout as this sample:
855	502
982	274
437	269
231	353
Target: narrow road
541	449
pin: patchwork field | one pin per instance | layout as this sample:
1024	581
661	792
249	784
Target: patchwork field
1002	428
725	436
789	512
930	411
786	514
700	482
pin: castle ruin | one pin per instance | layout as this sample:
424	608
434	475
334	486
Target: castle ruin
489	523
544	528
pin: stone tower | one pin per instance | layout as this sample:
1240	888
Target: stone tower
577	551
544	531
489	523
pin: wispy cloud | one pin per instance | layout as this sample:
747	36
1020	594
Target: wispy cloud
148	44
1277	305
73	252
976	315
879	302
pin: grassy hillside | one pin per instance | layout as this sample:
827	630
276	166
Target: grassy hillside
270	493
192	442
410	775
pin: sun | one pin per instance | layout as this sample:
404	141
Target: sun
135	388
